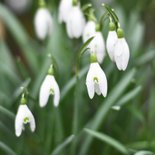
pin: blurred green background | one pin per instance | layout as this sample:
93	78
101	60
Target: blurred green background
24	62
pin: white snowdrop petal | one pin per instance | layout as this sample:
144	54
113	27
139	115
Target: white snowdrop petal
125	57
121	54
98	46
22	113
43	23
56	92
19	120
103	84
75	22
32	123
45	90
97	89
90	82
102	80
89	30
64	9
110	44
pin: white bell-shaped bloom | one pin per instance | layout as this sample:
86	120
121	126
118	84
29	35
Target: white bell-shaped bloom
89	30
97	46
110	44
43	23
48	87
75	22
64	9
24	116
96	81
121	53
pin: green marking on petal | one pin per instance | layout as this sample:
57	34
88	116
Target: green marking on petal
52	91
26	120
95	79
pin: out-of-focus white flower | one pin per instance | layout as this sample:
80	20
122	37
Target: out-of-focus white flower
89	30
43	23
64	9
96	80
48	87
97	46
24	116
111	40
121	51
75	22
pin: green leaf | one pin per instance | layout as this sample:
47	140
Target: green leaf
84	46
144	153
7	149
63	145
109	140
20	35
129	96
7	112
106	106
72	82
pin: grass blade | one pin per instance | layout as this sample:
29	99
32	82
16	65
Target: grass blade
7	149
109	140
129	96
63	145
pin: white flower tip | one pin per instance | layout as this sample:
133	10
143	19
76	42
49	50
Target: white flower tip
18	134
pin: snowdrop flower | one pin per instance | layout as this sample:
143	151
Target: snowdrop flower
64	8
111	40
24	116
89	30
43	23
75	22
121	51
96	80
97	46
49	87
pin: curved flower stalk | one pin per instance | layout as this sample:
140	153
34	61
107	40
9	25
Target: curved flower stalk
24	116
121	51
75	22
97	46
49	87
111	40
96	80
64	9
43	23
89	30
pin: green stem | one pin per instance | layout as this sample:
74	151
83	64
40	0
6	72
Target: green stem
41	3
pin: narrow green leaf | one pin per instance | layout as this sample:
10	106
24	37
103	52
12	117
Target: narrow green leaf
63	145
72	82
106	106
109	140
84	46
144	153
7	112
7	149
129	96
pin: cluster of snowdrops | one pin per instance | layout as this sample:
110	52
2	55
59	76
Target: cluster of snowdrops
74	16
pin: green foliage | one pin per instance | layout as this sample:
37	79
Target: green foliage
126	115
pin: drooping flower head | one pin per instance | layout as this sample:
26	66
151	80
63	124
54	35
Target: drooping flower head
111	40
89	30
75	22
43	22
64	9
96	80
49	87
24	116
121	51
97	46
